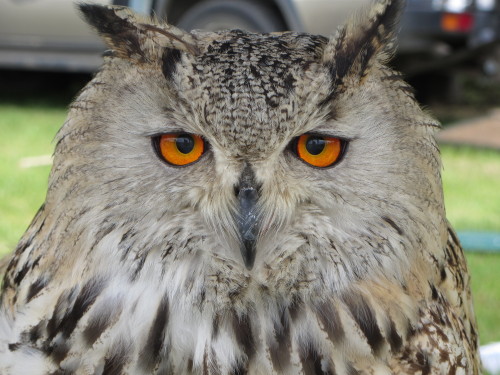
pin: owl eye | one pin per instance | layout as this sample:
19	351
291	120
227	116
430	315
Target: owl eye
179	148
318	150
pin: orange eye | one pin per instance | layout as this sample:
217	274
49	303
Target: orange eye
318	150
180	148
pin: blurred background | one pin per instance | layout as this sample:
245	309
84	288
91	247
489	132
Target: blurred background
449	50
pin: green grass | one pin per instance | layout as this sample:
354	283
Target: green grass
27	131
484	269
471	183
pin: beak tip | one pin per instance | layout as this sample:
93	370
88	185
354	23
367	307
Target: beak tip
248	253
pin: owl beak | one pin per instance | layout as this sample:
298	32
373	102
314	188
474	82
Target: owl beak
248	219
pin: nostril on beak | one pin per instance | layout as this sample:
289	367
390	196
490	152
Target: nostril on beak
247	182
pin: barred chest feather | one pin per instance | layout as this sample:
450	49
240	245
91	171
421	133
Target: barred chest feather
124	326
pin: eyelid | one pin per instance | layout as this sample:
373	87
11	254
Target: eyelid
345	140
330	134
160	132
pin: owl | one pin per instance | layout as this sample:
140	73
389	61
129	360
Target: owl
239	203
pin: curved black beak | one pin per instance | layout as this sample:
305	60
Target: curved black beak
248	218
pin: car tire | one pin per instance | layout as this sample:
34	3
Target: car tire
213	15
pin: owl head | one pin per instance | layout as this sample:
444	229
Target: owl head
286	158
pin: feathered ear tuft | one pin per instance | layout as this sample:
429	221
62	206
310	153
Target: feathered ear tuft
368	37
133	37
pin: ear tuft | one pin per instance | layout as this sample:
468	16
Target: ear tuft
117	27
368	37
133	37
105	19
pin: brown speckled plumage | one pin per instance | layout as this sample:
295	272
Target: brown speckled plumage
134	266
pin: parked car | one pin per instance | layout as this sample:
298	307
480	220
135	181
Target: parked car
49	34
441	33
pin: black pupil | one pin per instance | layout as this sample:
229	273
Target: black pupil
185	143
314	145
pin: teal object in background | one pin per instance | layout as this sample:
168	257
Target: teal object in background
488	242
140	6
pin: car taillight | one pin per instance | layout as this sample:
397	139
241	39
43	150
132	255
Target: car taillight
457	22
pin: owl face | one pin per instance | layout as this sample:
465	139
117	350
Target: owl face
246	152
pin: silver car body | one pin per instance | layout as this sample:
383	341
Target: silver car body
49	34
46	34
319	16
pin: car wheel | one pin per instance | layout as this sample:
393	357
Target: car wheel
216	15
